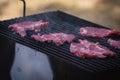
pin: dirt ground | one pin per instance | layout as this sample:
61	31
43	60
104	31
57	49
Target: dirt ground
103	12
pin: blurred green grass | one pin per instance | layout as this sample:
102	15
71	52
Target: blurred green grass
103	12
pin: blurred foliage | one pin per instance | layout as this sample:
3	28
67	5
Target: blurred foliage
104	12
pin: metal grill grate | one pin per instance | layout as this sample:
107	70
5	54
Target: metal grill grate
62	22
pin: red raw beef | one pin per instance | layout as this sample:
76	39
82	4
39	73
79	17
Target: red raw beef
57	38
89	49
22	27
114	43
97	32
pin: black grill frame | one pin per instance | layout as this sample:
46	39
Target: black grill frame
57	21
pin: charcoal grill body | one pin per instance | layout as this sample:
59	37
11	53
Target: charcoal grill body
65	65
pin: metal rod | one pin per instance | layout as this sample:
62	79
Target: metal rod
24	7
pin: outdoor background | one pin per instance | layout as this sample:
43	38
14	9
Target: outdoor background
103	12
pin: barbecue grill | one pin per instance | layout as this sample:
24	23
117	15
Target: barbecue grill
66	66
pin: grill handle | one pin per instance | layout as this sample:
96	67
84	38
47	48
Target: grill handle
24	7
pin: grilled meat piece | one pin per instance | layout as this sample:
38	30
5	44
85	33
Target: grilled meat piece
22	27
114	43
97	32
57	38
89	49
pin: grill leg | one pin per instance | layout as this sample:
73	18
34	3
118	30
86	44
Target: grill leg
6	57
